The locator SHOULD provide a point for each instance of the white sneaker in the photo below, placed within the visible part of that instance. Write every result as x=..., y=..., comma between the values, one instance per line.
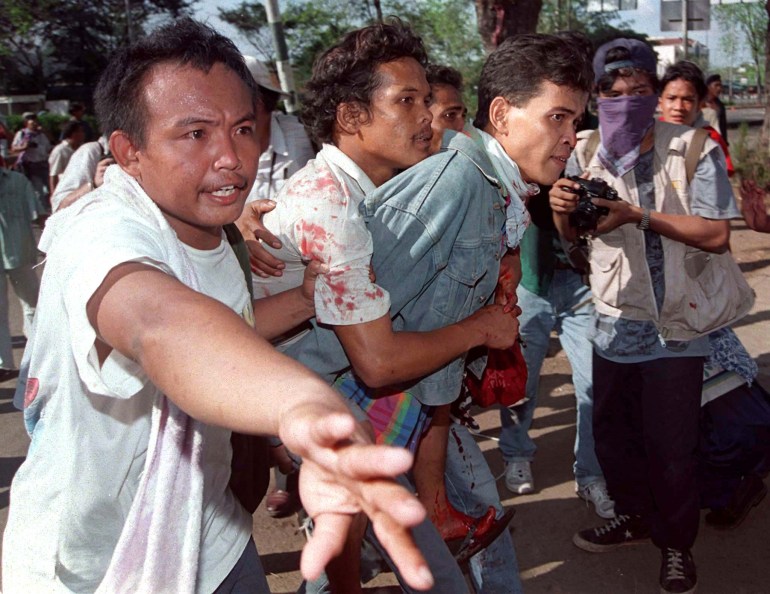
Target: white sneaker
x=596, y=493
x=518, y=478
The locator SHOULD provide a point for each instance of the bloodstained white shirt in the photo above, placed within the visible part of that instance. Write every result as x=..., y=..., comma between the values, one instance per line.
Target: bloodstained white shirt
x=317, y=218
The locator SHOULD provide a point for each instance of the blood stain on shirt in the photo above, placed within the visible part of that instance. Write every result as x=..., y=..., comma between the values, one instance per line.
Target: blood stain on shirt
x=313, y=238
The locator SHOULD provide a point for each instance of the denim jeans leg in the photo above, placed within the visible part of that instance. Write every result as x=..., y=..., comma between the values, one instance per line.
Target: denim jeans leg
x=247, y=577
x=575, y=316
x=471, y=488
x=446, y=573
x=535, y=324
x=448, y=578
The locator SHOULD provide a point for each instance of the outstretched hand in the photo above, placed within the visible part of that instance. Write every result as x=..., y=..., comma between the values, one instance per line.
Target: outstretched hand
x=250, y=225
x=753, y=206
x=343, y=474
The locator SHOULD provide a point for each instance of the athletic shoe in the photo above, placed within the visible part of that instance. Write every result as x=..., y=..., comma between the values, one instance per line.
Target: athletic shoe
x=623, y=530
x=518, y=478
x=677, y=572
x=596, y=493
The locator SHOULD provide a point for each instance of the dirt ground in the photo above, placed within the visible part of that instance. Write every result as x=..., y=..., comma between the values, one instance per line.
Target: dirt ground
x=733, y=562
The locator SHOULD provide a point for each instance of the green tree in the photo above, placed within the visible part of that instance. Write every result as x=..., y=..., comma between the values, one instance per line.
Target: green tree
x=250, y=18
x=446, y=26
x=44, y=42
x=751, y=18
x=499, y=19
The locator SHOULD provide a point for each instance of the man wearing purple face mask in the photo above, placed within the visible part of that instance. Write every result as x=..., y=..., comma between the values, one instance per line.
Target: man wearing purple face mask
x=658, y=264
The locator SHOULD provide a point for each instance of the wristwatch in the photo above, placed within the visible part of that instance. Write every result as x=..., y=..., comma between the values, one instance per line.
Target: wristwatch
x=644, y=224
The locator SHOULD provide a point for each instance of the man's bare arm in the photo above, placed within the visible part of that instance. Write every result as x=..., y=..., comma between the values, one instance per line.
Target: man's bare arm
x=277, y=314
x=217, y=369
x=705, y=234
x=382, y=357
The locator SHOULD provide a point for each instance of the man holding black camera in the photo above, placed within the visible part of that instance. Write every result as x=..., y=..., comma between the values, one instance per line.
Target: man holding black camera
x=661, y=281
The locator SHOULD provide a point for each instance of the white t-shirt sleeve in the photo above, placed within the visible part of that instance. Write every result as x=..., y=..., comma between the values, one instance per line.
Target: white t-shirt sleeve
x=95, y=245
x=56, y=162
x=333, y=232
x=79, y=171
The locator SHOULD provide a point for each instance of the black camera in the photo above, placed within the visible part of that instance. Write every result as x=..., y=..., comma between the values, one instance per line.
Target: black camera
x=586, y=214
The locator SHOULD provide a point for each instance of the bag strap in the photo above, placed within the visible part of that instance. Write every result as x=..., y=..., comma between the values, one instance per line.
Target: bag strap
x=236, y=241
x=694, y=149
x=592, y=145
x=691, y=158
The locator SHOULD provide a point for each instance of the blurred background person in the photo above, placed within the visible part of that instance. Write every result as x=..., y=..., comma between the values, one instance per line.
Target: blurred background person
x=19, y=255
x=714, y=84
x=31, y=147
x=77, y=111
x=84, y=172
x=73, y=135
x=448, y=108
x=684, y=92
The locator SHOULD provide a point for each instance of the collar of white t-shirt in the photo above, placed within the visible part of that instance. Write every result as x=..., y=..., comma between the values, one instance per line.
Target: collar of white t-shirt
x=344, y=167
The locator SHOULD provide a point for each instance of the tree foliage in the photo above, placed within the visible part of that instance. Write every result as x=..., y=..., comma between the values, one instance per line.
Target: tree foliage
x=250, y=18
x=45, y=42
x=751, y=18
x=499, y=19
x=446, y=26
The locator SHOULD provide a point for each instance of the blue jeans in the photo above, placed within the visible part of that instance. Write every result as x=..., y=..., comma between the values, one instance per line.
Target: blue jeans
x=471, y=489
x=247, y=577
x=569, y=310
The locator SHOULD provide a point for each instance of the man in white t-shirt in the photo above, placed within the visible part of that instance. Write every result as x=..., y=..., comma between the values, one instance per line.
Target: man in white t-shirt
x=84, y=173
x=141, y=363
x=73, y=135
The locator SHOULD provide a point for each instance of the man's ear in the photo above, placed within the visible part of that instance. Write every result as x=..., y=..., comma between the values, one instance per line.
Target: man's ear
x=125, y=153
x=350, y=117
x=498, y=115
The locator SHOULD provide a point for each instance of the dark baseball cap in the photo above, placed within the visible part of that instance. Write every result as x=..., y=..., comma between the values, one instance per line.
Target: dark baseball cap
x=642, y=57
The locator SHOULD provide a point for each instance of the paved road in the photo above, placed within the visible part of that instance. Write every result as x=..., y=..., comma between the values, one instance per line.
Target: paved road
x=731, y=562
x=751, y=115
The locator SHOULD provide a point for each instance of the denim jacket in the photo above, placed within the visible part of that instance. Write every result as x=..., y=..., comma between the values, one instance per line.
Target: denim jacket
x=437, y=231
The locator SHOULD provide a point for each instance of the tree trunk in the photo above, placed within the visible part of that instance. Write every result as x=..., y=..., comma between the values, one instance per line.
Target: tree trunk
x=764, y=137
x=499, y=19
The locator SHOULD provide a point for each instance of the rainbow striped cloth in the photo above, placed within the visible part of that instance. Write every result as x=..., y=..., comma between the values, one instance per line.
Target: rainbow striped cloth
x=398, y=418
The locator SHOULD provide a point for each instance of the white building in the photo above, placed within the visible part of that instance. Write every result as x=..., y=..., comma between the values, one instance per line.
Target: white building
x=671, y=49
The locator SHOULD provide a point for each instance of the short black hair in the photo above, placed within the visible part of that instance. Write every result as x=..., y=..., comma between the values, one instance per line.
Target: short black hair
x=346, y=72
x=713, y=78
x=119, y=96
x=517, y=69
x=75, y=107
x=70, y=128
x=618, y=54
x=438, y=74
x=687, y=71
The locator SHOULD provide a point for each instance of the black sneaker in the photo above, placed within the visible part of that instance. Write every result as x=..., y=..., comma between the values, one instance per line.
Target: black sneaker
x=622, y=530
x=677, y=572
